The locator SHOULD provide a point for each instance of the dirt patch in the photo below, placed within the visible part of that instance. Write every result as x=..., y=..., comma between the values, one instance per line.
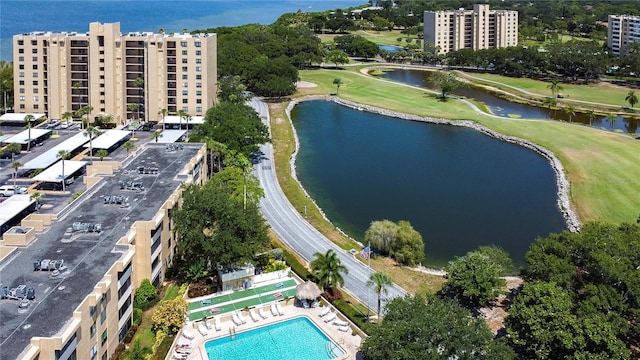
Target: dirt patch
x=305, y=85
x=494, y=315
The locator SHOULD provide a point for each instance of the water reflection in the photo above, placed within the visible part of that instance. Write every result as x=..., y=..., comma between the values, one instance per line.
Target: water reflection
x=505, y=108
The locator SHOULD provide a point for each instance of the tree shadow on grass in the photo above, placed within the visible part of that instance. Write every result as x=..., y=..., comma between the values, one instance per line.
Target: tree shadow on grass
x=436, y=97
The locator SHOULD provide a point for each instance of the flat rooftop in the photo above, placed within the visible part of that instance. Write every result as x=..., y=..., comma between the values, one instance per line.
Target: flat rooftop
x=87, y=257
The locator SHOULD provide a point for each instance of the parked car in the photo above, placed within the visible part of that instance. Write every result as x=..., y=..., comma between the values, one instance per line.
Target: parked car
x=9, y=190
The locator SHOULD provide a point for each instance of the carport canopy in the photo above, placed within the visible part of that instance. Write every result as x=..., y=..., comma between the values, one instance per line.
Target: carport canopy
x=173, y=119
x=50, y=157
x=171, y=136
x=54, y=172
x=18, y=117
x=23, y=136
x=108, y=139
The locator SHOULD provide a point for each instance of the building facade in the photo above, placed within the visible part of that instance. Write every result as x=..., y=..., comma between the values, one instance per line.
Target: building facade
x=623, y=30
x=85, y=311
x=129, y=76
x=480, y=28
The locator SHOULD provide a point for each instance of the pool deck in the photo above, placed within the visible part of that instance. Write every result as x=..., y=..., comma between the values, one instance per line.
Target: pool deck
x=350, y=343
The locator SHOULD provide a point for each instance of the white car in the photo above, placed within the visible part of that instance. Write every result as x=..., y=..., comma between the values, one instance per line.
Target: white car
x=64, y=125
x=9, y=190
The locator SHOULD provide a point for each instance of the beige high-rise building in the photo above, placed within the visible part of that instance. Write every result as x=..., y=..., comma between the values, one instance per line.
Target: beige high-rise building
x=128, y=76
x=480, y=28
x=623, y=31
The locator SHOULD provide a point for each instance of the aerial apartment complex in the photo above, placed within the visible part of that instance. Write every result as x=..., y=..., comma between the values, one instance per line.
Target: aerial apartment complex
x=623, y=30
x=124, y=75
x=480, y=28
x=79, y=269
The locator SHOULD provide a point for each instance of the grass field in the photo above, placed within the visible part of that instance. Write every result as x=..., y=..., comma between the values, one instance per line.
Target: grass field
x=601, y=166
x=378, y=37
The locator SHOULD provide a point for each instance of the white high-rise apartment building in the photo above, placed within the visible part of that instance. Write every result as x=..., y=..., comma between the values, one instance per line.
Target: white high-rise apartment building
x=623, y=30
x=480, y=28
x=56, y=73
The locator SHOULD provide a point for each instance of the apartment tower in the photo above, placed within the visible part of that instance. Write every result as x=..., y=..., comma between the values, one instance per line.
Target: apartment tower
x=480, y=28
x=623, y=30
x=129, y=76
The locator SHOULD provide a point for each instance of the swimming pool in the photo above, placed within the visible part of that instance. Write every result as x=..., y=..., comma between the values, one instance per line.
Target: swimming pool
x=297, y=338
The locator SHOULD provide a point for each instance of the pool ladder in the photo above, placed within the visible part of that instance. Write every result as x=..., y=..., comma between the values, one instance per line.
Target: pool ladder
x=330, y=350
x=232, y=332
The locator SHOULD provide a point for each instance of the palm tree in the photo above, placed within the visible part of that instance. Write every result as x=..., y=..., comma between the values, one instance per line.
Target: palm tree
x=37, y=196
x=64, y=155
x=91, y=132
x=592, y=116
x=217, y=151
x=13, y=148
x=66, y=116
x=163, y=112
x=86, y=110
x=571, y=111
x=15, y=165
x=156, y=135
x=631, y=98
x=328, y=269
x=555, y=87
x=337, y=82
x=134, y=107
x=380, y=282
x=181, y=114
x=549, y=101
x=101, y=154
x=28, y=119
x=128, y=146
x=139, y=83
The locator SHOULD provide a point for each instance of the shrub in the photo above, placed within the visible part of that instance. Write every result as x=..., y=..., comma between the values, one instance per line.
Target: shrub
x=146, y=295
x=119, y=350
x=137, y=316
x=296, y=266
x=129, y=335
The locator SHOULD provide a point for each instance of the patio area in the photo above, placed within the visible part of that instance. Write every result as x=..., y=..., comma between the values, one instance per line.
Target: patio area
x=196, y=333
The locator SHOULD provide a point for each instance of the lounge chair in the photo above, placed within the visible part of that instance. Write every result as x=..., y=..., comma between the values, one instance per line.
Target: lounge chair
x=330, y=317
x=344, y=328
x=187, y=334
x=202, y=329
x=178, y=356
x=263, y=313
x=305, y=304
x=241, y=317
x=324, y=311
x=236, y=319
x=274, y=312
x=253, y=315
x=314, y=304
x=216, y=323
x=207, y=324
x=340, y=322
x=279, y=309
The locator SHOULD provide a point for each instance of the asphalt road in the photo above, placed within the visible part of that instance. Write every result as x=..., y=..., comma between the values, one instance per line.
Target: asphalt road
x=299, y=235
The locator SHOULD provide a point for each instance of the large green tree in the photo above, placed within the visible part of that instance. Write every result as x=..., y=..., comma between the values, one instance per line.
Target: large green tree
x=408, y=248
x=381, y=234
x=213, y=225
x=447, y=82
x=328, y=269
x=431, y=328
x=234, y=124
x=473, y=280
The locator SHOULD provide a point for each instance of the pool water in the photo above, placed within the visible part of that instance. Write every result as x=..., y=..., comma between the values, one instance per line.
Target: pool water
x=297, y=338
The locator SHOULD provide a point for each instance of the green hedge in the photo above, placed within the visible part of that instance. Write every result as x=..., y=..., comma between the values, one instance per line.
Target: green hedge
x=296, y=266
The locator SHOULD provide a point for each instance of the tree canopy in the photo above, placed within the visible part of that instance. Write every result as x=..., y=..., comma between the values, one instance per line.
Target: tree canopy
x=236, y=125
x=401, y=241
x=431, y=328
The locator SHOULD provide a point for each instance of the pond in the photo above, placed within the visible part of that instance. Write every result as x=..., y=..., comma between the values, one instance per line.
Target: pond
x=459, y=188
x=505, y=108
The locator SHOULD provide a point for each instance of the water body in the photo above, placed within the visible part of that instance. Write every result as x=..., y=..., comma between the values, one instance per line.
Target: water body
x=459, y=188
x=505, y=108
x=23, y=16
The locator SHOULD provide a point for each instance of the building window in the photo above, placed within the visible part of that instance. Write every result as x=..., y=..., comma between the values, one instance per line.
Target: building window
x=20, y=51
x=35, y=99
x=185, y=92
x=198, y=68
x=34, y=58
x=198, y=61
x=199, y=85
x=34, y=51
x=198, y=101
x=185, y=108
x=21, y=42
x=101, y=60
x=184, y=52
x=185, y=101
x=103, y=337
x=21, y=74
x=199, y=109
x=35, y=90
x=35, y=106
x=35, y=82
x=184, y=68
x=21, y=90
x=21, y=82
x=35, y=74
x=22, y=98
x=92, y=330
x=199, y=92
x=198, y=52
x=21, y=67
x=34, y=42
x=185, y=84
x=35, y=66
x=185, y=77
x=21, y=58
x=184, y=60
x=22, y=106
x=198, y=77
x=94, y=351
x=183, y=43
x=103, y=316
x=198, y=44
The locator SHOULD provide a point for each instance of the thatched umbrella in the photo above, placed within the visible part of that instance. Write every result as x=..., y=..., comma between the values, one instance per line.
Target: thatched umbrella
x=307, y=291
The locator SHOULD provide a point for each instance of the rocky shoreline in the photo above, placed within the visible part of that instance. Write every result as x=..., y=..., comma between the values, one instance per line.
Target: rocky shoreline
x=562, y=184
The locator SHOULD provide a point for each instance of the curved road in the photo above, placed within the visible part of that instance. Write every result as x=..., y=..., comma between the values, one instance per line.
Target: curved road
x=298, y=234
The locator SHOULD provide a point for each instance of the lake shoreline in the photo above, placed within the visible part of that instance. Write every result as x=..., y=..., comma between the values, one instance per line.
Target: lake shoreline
x=562, y=184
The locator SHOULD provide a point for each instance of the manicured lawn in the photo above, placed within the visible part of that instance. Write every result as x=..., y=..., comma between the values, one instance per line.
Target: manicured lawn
x=601, y=166
x=378, y=37
x=601, y=93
